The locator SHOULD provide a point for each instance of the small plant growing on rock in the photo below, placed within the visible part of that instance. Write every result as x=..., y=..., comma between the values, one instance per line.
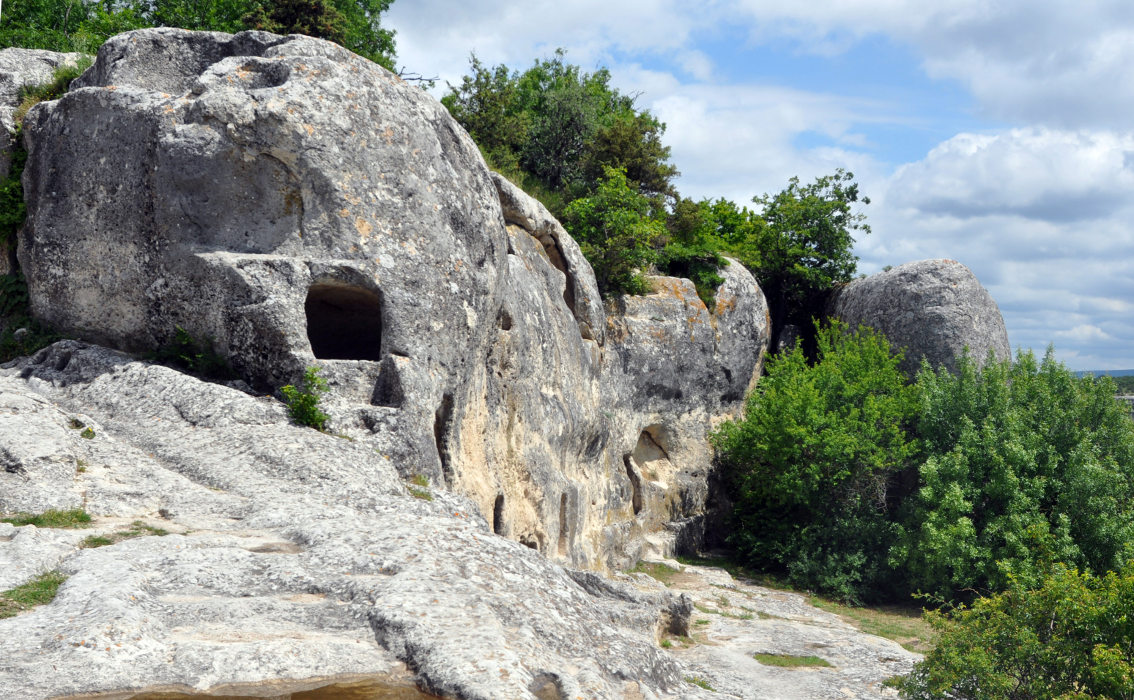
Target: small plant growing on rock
x=303, y=403
x=197, y=357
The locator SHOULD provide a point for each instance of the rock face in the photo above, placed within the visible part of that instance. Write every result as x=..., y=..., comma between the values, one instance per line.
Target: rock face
x=298, y=205
x=932, y=308
x=20, y=68
x=293, y=555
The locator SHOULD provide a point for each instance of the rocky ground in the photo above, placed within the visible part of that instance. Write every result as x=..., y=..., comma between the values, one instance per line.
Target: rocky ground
x=302, y=557
x=734, y=619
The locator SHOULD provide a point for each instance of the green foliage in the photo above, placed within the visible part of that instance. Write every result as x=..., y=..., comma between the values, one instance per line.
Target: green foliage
x=1071, y=636
x=303, y=403
x=700, y=683
x=805, y=244
x=197, y=357
x=1123, y=385
x=40, y=590
x=75, y=518
x=811, y=464
x=656, y=570
x=76, y=25
x=554, y=129
x=616, y=230
x=1026, y=465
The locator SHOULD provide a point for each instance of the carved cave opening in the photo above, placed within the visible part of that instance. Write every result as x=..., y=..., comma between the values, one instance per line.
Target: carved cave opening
x=344, y=322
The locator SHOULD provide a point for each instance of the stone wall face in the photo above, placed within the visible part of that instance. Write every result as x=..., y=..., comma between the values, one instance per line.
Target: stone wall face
x=299, y=205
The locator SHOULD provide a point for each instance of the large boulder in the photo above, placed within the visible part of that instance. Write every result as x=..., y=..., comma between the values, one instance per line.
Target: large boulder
x=934, y=309
x=298, y=205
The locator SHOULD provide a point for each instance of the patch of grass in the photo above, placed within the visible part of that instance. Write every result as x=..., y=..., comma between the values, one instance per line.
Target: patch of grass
x=790, y=661
x=88, y=433
x=39, y=591
x=701, y=622
x=76, y=518
x=700, y=683
x=902, y=623
x=419, y=487
x=659, y=571
x=667, y=643
x=137, y=529
x=724, y=613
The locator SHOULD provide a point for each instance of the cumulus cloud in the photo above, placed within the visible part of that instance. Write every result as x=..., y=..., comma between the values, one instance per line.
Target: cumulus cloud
x=1058, y=64
x=1036, y=173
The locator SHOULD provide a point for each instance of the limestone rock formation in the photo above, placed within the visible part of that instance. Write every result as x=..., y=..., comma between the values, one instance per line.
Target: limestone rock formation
x=932, y=308
x=292, y=555
x=298, y=205
x=20, y=68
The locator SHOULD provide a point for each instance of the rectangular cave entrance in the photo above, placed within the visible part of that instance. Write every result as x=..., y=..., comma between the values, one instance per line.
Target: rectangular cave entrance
x=344, y=322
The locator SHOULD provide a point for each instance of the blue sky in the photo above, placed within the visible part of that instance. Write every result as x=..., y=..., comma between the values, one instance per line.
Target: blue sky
x=994, y=133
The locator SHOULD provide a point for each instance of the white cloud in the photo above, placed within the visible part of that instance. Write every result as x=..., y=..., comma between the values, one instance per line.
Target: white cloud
x=1045, y=62
x=1036, y=173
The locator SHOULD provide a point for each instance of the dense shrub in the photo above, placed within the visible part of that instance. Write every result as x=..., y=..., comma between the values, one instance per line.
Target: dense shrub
x=1017, y=465
x=811, y=464
x=1072, y=636
x=1026, y=464
x=616, y=231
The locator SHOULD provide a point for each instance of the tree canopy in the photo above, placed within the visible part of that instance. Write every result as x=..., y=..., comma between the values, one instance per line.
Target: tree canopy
x=80, y=25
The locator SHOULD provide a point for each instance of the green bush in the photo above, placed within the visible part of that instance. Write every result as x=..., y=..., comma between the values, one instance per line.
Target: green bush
x=303, y=403
x=1026, y=464
x=811, y=465
x=1072, y=636
x=616, y=231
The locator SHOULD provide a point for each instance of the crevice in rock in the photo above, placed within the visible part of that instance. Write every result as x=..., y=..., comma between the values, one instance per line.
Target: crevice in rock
x=498, y=515
x=504, y=320
x=344, y=322
x=563, y=525
x=635, y=484
x=442, y=426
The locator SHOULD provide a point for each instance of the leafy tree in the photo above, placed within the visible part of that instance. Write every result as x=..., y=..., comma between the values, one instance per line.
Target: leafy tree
x=805, y=245
x=1026, y=465
x=554, y=129
x=616, y=230
x=81, y=25
x=1071, y=636
x=811, y=465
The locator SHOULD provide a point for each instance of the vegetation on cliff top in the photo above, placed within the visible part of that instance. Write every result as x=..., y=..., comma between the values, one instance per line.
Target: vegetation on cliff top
x=565, y=136
x=75, y=25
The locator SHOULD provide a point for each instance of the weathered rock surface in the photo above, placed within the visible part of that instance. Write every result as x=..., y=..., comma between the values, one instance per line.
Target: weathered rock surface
x=297, y=554
x=296, y=559
x=735, y=619
x=932, y=308
x=20, y=68
x=299, y=205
